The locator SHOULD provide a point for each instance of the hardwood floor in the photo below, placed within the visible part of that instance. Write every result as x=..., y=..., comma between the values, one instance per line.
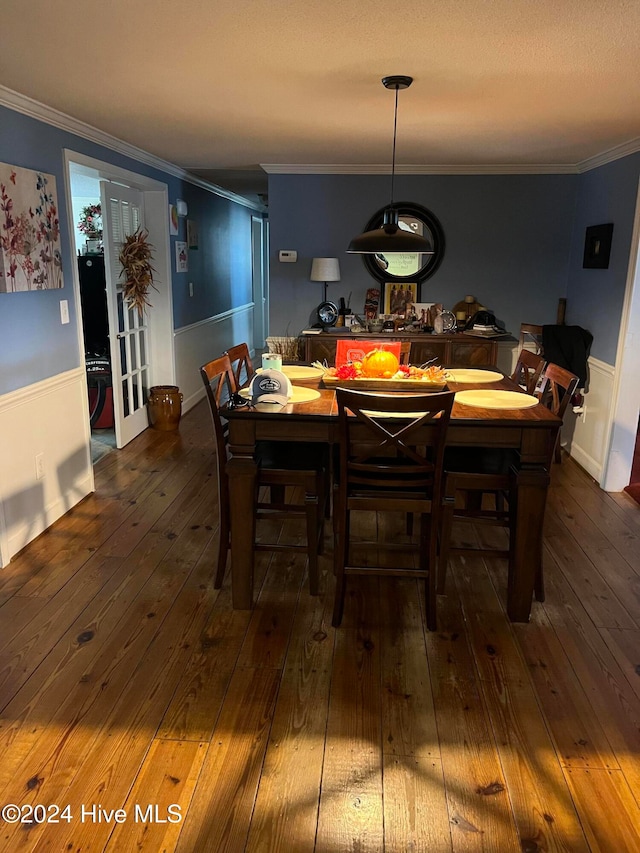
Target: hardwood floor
x=126, y=682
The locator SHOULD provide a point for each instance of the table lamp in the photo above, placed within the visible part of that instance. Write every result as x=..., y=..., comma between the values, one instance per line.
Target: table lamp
x=326, y=270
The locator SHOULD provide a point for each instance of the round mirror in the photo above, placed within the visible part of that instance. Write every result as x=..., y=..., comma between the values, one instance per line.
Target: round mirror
x=409, y=266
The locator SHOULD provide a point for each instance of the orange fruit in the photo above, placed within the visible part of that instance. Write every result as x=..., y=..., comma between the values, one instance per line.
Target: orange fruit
x=379, y=363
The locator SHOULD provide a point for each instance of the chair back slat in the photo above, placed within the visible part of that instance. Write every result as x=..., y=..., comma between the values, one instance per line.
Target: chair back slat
x=528, y=369
x=241, y=364
x=530, y=332
x=219, y=383
x=387, y=453
x=556, y=390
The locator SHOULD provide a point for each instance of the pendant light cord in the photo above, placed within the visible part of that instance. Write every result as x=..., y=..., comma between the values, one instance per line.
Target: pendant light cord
x=393, y=155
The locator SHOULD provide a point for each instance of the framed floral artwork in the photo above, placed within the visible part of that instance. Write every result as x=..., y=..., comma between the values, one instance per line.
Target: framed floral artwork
x=173, y=220
x=30, y=252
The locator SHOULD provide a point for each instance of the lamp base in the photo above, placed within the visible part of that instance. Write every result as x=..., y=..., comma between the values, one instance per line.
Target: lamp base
x=328, y=313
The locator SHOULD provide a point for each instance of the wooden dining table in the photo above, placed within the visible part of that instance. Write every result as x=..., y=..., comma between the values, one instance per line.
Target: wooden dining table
x=529, y=431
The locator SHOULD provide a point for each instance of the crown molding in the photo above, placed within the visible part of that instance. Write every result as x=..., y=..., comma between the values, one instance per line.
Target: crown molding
x=34, y=109
x=385, y=169
x=616, y=153
x=630, y=147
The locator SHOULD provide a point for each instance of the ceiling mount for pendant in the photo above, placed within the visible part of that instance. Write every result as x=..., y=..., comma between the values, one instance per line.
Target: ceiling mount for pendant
x=397, y=81
x=391, y=238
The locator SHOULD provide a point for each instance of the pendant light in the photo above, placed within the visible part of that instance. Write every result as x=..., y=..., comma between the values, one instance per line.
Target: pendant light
x=390, y=238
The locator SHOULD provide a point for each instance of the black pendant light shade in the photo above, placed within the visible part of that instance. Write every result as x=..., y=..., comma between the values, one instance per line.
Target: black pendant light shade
x=390, y=238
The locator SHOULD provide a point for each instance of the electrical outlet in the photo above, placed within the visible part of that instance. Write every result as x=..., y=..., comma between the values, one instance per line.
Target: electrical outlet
x=39, y=466
x=190, y=288
x=64, y=311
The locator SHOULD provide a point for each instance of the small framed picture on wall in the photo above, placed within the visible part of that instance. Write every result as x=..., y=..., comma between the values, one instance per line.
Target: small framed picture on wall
x=192, y=233
x=597, y=247
x=182, y=258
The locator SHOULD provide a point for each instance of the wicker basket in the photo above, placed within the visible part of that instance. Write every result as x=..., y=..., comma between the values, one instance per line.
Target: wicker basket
x=288, y=348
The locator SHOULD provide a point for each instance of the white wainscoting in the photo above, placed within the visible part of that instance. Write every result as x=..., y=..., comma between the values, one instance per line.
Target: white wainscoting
x=507, y=356
x=585, y=436
x=196, y=344
x=49, y=418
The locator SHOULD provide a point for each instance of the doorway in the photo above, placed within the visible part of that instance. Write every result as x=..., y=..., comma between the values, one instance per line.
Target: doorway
x=625, y=408
x=119, y=370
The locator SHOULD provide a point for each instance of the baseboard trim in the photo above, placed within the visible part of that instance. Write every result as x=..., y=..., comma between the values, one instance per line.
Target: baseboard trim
x=23, y=536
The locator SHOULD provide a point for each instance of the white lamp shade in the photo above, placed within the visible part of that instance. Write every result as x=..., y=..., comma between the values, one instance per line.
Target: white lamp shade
x=325, y=269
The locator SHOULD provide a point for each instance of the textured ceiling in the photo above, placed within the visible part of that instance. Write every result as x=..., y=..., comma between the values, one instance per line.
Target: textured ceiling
x=229, y=85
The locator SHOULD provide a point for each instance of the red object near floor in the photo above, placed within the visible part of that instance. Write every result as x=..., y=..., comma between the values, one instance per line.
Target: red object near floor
x=106, y=418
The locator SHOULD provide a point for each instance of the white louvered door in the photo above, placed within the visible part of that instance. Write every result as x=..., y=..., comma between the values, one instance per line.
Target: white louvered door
x=122, y=211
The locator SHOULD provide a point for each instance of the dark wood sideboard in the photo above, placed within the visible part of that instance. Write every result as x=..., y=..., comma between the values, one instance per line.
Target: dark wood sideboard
x=449, y=350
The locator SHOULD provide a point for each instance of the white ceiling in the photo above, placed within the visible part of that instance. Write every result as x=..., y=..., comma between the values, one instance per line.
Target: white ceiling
x=231, y=84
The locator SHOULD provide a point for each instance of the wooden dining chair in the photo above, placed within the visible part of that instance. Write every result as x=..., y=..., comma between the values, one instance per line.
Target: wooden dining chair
x=280, y=465
x=556, y=390
x=475, y=471
x=243, y=373
x=241, y=364
x=530, y=333
x=527, y=371
x=384, y=467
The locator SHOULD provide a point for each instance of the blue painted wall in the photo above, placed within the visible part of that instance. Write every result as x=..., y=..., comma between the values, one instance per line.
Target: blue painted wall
x=220, y=267
x=508, y=240
x=595, y=297
x=33, y=343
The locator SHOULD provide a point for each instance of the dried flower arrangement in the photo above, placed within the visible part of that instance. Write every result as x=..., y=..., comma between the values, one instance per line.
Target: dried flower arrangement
x=91, y=221
x=287, y=347
x=135, y=257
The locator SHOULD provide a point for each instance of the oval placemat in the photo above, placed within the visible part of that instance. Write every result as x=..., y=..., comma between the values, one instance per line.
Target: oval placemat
x=299, y=394
x=473, y=376
x=489, y=399
x=295, y=371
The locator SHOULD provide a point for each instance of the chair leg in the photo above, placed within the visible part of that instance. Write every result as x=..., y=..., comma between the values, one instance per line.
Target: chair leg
x=446, y=524
x=223, y=546
x=557, y=451
x=428, y=562
x=340, y=561
x=321, y=511
x=312, y=510
x=327, y=483
x=539, y=585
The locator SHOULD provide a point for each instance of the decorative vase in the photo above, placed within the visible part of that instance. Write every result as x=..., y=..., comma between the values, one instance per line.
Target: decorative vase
x=164, y=407
x=93, y=243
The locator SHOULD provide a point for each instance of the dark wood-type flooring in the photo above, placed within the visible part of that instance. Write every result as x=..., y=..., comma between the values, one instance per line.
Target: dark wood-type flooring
x=126, y=682
x=633, y=488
